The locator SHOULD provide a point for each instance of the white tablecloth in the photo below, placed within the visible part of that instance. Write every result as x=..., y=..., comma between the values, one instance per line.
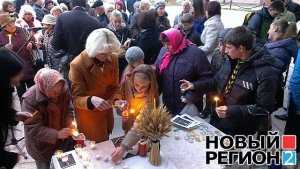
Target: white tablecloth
x=178, y=152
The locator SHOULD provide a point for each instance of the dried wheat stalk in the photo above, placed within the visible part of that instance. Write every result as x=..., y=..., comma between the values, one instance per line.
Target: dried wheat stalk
x=154, y=123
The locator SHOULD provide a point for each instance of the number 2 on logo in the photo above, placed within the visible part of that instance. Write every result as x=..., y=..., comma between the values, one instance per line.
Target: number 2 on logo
x=289, y=158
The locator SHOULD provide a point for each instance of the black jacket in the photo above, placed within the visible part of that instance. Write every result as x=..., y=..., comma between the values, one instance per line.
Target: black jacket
x=193, y=36
x=163, y=23
x=122, y=34
x=295, y=8
x=10, y=65
x=252, y=96
x=72, y=29
x=148, y=41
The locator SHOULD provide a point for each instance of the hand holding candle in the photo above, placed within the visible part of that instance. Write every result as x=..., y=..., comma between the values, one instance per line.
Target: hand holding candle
x=222, y=111
x=64, y=133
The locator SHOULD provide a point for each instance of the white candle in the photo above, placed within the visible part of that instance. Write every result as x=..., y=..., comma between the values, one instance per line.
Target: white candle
x=9, y=39
x=74, y=124
x=93, y=145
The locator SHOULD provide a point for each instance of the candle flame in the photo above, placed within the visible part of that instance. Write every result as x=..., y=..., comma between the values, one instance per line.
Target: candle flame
x=216, y=99
x=74, y=124
x=132, y=111
x=75, y=133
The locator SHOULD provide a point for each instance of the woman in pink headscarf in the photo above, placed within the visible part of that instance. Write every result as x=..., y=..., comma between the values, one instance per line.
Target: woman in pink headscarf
x=180, y=59
x=50, y=102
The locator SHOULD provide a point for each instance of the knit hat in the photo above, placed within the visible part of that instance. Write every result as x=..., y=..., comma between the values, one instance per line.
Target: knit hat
x=159, y=3
x=49, y=19
x=134, y=54
x=5, y=19
x=98, y=3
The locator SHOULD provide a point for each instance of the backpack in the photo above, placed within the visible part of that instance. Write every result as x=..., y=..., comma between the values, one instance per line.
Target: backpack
x=247, y=17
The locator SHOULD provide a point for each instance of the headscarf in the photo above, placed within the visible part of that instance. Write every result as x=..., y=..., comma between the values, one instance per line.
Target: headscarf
x=57, y=110
x=46, y=78
x=178, y=42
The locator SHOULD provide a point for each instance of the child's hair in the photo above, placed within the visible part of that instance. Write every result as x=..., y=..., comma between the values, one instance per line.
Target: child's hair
x=289, y=30
x=149, y=73
x=187, y=18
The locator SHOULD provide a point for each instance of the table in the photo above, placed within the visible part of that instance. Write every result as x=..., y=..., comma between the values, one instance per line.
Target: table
x=181, y=150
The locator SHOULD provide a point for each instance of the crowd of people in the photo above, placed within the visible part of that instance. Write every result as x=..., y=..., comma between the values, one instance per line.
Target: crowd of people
x=69, y=61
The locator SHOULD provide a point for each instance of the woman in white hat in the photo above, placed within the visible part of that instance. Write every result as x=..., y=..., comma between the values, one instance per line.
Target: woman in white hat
x=50, y=54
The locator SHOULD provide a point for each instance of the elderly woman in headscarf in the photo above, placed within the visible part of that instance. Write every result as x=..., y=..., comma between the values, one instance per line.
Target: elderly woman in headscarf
x=94, y=75
x=49, y=101
x=180, y=59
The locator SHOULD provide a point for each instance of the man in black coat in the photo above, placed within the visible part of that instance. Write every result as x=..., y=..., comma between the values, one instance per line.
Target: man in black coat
x=246, y=84
x=71, y=31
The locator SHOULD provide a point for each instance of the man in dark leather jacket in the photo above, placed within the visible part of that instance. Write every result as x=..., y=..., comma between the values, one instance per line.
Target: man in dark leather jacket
x=246, y=84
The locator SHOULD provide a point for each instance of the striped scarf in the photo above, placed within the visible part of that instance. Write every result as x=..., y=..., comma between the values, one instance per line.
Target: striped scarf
x=233, y=77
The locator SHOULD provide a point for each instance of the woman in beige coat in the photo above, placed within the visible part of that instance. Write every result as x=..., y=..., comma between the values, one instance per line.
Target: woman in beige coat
x=94, y=77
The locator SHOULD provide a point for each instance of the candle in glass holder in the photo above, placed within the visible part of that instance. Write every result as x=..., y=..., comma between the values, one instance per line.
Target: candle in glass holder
x=93, y=145
x=79, y=139
x=216, y=99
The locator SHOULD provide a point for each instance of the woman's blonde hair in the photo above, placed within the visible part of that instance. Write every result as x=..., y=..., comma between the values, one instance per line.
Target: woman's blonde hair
x=56, y=8
x=144, y=5
x=26, y=9
x=102, y=41
x=149, y=73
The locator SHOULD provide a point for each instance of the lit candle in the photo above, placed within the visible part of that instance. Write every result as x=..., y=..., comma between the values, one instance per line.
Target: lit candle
x=216, y=99
x=9, y=39
x=93, y=145
x=75, y=133
x=125, y=113
x=132, y=111
x=74, y=124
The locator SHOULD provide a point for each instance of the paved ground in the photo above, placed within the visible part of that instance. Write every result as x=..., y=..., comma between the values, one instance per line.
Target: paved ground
x=230, y=18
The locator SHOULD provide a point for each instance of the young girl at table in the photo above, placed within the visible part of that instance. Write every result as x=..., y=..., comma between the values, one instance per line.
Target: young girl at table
x=141, y=92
